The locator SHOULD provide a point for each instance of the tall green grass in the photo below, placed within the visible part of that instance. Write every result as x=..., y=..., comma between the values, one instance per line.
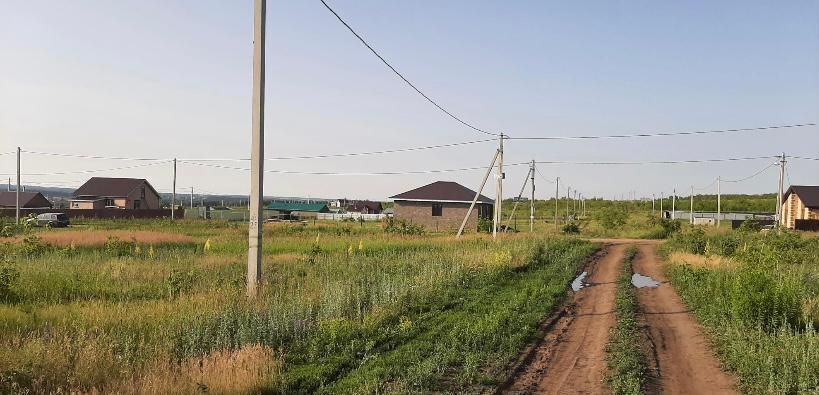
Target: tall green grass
x=339, y=311
x=626, y=362
x=761, y=311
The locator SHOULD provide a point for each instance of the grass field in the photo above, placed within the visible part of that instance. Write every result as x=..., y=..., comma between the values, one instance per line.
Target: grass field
x=758, y=296
x=156, y=307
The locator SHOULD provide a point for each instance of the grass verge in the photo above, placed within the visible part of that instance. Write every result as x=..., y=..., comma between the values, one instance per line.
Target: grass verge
x=626, y=363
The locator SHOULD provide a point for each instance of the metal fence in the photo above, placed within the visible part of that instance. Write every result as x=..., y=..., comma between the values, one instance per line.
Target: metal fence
x=347, y=216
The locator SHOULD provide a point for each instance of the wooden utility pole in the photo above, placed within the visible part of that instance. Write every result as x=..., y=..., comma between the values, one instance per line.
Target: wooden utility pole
x=691, y=214
x=532, y=200
x=254, y=253
x=173, y=193
x=498, y=190
x=17, y=193
x=719, y=202
x=478, y=194
x=557, y=192
x=780, y=196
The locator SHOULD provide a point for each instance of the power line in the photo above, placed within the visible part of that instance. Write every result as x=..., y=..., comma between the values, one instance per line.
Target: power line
x=348, y=154
x=445, y=111
x=802, y=158
x=544, y=178
x=753, y=175
x=665, y=134
x=660, y=162
x=92, y=156
x=62, y=173
x=332, y=173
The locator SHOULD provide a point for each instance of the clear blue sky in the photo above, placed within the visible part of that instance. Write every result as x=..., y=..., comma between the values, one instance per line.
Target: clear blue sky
x=173, y=79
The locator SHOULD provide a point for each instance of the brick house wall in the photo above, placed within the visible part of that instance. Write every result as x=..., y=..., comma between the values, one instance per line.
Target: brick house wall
x=452, y=214
x=793, y=208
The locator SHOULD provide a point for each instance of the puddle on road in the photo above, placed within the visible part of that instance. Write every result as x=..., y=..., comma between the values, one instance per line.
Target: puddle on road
x=640, y=281
x=578, y=283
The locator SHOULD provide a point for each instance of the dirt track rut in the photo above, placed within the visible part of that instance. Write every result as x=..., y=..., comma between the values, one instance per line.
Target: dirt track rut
x=683, y=362
x=570, y=357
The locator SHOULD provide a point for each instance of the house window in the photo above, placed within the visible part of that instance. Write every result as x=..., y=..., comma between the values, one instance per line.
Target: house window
x=109, y=202
x=437, y=209
x=136, y=204
x=75, y=205
x=142, y=193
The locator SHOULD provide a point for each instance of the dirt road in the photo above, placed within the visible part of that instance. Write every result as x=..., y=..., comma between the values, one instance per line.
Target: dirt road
x=571, y=358
x=683, y=363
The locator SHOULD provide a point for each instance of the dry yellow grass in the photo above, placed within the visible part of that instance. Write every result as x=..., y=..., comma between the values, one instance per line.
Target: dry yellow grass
x=81, y=238
x=713, y=261
x=223, y=372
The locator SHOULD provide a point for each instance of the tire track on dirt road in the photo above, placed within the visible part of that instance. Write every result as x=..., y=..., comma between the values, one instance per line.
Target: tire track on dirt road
x=683, y=361
x=571, y=358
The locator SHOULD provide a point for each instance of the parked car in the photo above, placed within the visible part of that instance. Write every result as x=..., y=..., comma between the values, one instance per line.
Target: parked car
x=51, y=220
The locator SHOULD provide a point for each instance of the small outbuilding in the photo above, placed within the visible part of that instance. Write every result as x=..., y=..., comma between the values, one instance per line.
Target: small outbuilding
x=27, y=200
x=441, y=205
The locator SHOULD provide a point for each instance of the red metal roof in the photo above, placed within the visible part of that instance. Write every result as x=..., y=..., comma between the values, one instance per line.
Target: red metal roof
x=442, y=191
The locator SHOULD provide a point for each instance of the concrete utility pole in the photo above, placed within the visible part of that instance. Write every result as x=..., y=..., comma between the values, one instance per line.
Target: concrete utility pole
x=674, y=205
x=780, y=197
x=574, y=203
x=719, y=202
x=17, y=193
x=498, y=190
x=173, y=193
x=254, y=253
x=532, y=201
x=191, y=197
x=557, y=192
x=662, y=196
x=653, y=205
x=478, y=194
x=568, y=192
x=692, y=205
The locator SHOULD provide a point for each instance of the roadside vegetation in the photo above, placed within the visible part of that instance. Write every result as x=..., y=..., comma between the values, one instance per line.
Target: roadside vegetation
x=159, y=307
x=757, y=293
x=626, y=362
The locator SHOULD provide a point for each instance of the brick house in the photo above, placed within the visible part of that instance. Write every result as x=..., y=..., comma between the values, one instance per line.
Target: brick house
x=800, y=202
x=122, y=193
x=27, y=200
x=441, y=206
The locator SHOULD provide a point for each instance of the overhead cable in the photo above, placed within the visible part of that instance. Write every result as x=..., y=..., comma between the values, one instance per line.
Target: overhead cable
x=407, y=81
x=665, y=134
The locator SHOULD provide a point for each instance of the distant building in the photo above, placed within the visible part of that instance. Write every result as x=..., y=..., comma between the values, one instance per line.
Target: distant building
x=441, y=205
x=800, y=202
x=121, y=193
x=298, y=208
x=27, y=200
x=361, y=206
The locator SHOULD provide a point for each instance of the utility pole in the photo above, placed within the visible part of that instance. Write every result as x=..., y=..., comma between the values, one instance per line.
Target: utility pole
x=662, y=196
x=674, y=205
x=653, y=204
x=254, y=253
x=779, y=199
x=532, y=201
x=498, y=190
x=568, y=193
x=191, y=197
x=478, y=194
x=173, y=193
x=17, y=193
x=574, y=204
x=719, y=202
x=692, y=205
x=557, y=192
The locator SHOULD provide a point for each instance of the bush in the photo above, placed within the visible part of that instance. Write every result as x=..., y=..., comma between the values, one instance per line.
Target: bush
x=401, y=227
x=750, y=225
x=8, y=276
x=612, y=217
x=484, y=225
x=570, y=228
